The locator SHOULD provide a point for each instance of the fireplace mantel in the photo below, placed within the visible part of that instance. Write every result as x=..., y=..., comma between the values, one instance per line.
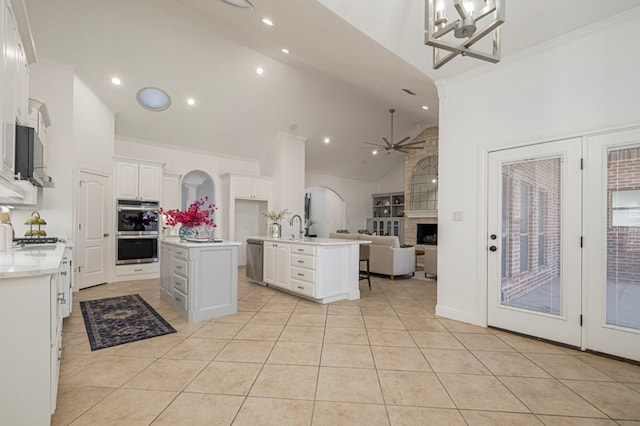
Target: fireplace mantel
x=417, y=214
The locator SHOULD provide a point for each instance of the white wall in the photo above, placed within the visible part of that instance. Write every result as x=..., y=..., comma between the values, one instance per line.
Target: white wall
x=572, y=86
x=355, y=193
x=53, y=84
x=392, y=181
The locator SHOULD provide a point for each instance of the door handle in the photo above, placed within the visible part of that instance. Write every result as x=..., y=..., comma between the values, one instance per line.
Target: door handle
x=493, y=248
x=105, y=235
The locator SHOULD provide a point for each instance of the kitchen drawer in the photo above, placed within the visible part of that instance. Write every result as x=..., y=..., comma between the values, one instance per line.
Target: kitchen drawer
x=303, y=249
x=180, y=267
x=180, y=283
x=304, y=288
x=180, y=300
x=303, y=261
x=138, y=268
x=301, y=274
x=180, y=253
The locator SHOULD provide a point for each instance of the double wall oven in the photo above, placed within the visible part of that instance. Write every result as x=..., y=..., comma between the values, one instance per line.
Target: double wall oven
x=137, y=236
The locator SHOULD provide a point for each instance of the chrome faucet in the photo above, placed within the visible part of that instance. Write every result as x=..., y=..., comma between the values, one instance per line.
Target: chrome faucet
x=300, y=231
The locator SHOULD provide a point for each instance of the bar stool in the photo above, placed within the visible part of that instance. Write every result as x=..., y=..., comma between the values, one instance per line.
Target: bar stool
x=364, y=257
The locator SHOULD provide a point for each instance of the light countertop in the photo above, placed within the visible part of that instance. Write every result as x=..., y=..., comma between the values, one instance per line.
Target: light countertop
x=316, y=241
x=177, y=241
x=30, y=260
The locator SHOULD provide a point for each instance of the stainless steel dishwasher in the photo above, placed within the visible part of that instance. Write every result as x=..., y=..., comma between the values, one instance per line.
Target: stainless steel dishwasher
x=254, y=260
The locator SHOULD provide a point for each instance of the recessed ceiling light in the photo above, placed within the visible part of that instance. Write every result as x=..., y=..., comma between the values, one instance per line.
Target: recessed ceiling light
x=267, y=21
x=327, y=140
x=191, y=101
x=153, y=99
x=116, y=81
x=374, y=152
x=285, y=51
x=424, y=107
x=259, y=71
x=239, y=3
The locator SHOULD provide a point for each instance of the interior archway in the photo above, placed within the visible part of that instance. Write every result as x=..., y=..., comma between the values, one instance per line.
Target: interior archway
x=195, y=185
x=327, y=211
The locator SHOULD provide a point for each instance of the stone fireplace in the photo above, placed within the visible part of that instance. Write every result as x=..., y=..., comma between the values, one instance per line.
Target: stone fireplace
x=413, y=218
x=427, y=234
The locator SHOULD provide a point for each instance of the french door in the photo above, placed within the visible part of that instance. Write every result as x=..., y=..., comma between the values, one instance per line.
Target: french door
x=564, y=244
x=612, y=243
x=534, y=226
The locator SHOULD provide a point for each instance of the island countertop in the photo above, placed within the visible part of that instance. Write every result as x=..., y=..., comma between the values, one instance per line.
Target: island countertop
x=31, y=260
x=317, y=241
x=189, y=244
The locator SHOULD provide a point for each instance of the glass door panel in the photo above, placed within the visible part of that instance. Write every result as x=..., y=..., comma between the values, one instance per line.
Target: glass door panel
x=531, y=235
x=623, y=238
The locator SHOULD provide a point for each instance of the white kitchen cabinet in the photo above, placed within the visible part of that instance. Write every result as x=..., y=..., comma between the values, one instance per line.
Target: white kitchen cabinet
x=31, y=330
x=166, y=263
x=201, y=282
x=276, y=265
x=251, y=187
x=171, y=192
x=66, y=281
x=138, y=181
x=321, y=269
x=15, y=56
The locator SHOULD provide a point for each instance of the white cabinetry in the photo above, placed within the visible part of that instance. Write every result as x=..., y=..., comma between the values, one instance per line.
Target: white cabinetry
x=171, y=192
x=31, y=330
x=276, y=267
x=201, y=280
x=14, y=78
x=252, y=187
x=138, y=181
x=322, y=272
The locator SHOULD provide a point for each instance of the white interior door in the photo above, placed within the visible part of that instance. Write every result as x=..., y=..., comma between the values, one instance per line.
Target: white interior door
x=534, y=227
x=93, y=230
x=612, y=244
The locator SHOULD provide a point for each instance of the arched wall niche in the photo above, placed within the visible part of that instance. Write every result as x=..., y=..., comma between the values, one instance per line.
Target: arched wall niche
x=327, y=210
x=195, y=185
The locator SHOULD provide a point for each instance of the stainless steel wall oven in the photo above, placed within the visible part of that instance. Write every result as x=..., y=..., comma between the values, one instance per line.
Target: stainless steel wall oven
x=137, y=235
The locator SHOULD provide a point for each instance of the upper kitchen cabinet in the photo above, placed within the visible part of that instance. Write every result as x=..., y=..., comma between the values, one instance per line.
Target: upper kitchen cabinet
x=251, y=187
x=137, y=180
x=18, y=52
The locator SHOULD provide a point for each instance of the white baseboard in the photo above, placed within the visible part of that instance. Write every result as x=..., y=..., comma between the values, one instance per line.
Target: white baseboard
x=458, y=315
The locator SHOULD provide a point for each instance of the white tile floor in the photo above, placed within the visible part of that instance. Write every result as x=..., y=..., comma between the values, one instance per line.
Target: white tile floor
x=385, y=359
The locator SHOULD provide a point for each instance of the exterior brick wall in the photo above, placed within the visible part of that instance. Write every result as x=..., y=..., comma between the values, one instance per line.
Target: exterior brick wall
x=542, y=180
x=623, y=242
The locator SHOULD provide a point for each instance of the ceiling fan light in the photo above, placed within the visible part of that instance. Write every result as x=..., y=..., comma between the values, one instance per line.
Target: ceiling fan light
x=245, y=4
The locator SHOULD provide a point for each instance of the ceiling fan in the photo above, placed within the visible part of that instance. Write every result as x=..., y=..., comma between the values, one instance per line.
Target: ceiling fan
x=400, y=146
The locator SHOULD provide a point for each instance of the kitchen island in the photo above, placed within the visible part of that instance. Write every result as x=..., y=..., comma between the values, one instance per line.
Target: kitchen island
x=199, y=279
x=34, y=284
x=320, y=269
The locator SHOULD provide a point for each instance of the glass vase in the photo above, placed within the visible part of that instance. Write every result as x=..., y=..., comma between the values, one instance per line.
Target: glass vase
x=186, y=232
x=275, y=230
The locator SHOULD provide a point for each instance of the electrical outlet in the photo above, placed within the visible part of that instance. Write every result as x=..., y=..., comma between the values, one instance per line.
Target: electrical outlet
x=458, y=216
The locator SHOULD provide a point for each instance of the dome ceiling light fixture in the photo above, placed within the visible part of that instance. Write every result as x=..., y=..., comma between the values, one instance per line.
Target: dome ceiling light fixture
x=401, y=146
x=446, y=36
x=153, y=99
x=245, y=4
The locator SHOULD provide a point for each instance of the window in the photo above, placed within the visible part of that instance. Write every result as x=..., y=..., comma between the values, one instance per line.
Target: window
x=524, y=226
x=505, y=224
x=424, y=184
x=625, y=207
x=542, y=225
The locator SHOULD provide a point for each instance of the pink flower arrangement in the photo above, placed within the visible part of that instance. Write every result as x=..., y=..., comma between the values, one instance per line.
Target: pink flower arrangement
x=195, y=215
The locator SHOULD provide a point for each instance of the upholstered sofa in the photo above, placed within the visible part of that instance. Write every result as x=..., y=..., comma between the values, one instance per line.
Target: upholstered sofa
x=386, y=256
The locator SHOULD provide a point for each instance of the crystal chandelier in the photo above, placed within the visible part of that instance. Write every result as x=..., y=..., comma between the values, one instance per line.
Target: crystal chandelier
x=460, y=35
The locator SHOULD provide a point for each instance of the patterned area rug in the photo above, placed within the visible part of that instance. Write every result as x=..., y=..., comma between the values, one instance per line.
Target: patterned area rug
x=123, y=319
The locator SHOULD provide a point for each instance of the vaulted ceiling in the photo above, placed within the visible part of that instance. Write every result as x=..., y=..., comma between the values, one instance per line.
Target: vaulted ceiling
x=347, y=66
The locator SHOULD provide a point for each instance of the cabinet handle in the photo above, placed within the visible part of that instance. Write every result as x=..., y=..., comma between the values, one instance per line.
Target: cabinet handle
x=137, y=270
x=300, y=249
x=63, y=273
x=178, y=299
x=178, y=267
x=60, y=353
x=300, y=261
x=300, y=287
x=300, y=275
x=61, y=299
